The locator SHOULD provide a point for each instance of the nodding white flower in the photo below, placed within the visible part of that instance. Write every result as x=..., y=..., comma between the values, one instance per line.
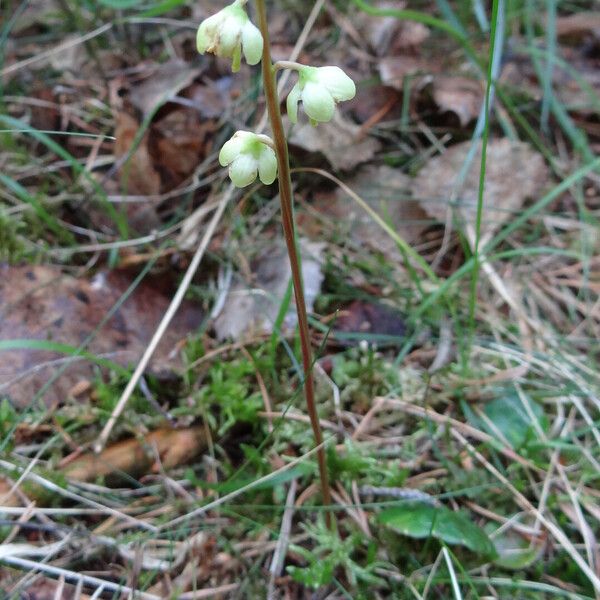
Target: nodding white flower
x=247, y=154
x=320, y=89
x=228, y=33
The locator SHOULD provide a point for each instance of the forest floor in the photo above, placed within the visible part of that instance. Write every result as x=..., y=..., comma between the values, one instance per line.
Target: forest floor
x=452, y=270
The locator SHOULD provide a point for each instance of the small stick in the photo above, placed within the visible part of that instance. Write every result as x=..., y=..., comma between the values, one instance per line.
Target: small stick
x=166, y=320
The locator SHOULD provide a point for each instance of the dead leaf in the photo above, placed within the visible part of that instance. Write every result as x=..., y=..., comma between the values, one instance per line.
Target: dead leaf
x=136, y=457
x=177, y=137
x=394, y=70
x=514, y=173
x=520, y=72
x=375, y=321
x=46, y=115
x=339, y=140
x=163, y=83
x=179, y=143
x=44, y=588
x=388, y=192
x=578, y=25
x=37, y=13
x=383, y=33
x=460, y=95
x=41, y=303
x=212, y=98
x=253, y=309
x=138, y=175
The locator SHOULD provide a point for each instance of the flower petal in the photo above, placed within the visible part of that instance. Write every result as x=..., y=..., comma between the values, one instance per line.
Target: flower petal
x=340, y=86
x=267, y=165
x=207, y=33
x=292, y=103
x=252, y=43
x=243, y=170
x=230, y=150
x=318, y=102
x=230, y=35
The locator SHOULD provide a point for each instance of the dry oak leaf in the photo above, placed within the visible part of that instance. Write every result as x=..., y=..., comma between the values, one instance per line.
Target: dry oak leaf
x=579, y=25
x=460, y=95
x=41, y=303
x=253, y=309
x=389, y=33
x=164, y=82
x=394, y=70
x=514, y=173
x=138, y=175
x=388, y=192
x=339, y=140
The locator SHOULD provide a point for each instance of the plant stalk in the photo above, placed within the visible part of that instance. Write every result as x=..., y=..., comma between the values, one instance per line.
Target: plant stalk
x=286, y=197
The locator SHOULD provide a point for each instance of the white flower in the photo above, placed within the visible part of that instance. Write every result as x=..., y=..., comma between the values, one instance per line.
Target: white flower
x=246, y=154
x=319, y=88
x=227, y=33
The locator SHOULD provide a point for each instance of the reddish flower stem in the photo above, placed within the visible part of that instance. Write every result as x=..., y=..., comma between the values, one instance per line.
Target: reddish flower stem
x=286, y=196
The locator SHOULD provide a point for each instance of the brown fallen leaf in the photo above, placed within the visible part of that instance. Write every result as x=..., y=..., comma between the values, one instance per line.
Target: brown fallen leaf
x=394, y=70
x=173, y=108
x=460, y=95
x=371, y=321
x=388, y=192
x=135, y=457
x=340, y=140
x=137, y=172
x=252, y=309
x=164, y=448
x=567, y=89
x=385, y=34
x=578, y=25
x=44, y=588
x=42, y=303
x=163, y=82
x=179, y=142
x=515, y=172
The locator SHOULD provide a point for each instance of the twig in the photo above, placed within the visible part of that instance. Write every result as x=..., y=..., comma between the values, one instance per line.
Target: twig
x=284, y=539
x=76, y=577
x=56, y=49
x=166, y=320
x=260, y=481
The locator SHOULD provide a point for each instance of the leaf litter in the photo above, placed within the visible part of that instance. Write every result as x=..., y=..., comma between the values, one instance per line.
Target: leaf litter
x=42, y=303
x=397, y=452
x=253, y=309
x=515, y=173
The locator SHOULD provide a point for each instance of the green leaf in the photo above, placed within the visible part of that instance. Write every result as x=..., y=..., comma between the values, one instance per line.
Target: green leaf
x=510, y=418
x=121, y=4
x=161, y=8
x=514, y=551
x=319, y=573
x=419, y=520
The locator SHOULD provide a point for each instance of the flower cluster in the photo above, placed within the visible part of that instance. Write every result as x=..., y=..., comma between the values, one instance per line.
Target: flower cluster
x=229, y=34
x=319, y=89
x=247, y=154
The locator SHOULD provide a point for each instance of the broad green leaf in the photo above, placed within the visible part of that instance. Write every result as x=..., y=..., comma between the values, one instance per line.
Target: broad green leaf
x=419, y=520
x=513, y=550
x=510, y=418
x=121, y=4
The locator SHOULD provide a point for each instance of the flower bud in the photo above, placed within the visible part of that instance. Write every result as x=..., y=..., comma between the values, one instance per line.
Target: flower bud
x=320, y=89
x=228, y=33
x=247, y=154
